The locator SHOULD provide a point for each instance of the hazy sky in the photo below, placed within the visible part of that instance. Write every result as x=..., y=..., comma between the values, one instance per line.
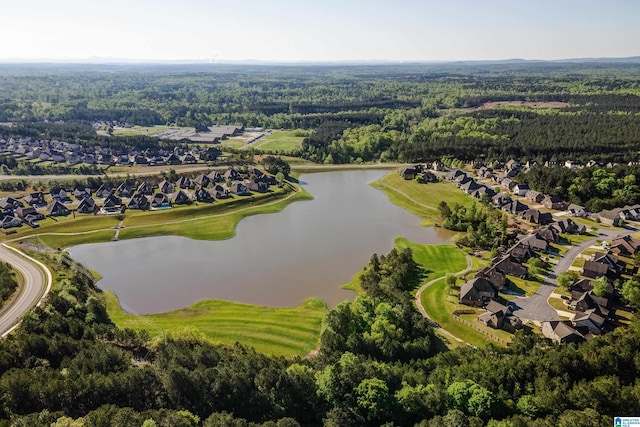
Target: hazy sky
x=289, y=30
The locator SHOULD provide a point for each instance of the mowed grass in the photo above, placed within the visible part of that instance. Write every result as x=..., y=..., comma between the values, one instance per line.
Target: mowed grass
x=421, y=199
x=67, y=226
x=218, y=227
x=279, y=331
x=437, y=260
x=282, y=141
x=440, y=306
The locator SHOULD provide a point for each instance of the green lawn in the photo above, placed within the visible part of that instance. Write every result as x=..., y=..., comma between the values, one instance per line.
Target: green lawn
x=437, y=260
x=440, y=306
x=282, y=141
x=522, y=287
x=421, y=199
x=279, y=331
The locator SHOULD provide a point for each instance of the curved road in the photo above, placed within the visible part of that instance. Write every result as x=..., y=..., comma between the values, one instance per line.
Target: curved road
x=36, y=284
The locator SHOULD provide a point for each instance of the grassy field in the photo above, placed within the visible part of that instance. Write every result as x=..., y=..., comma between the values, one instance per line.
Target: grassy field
x=282, y=141
x=440, y=306
x=141, y=130
x=522, y=287
x=279, y=331
x=437, y=260
x=421, y=199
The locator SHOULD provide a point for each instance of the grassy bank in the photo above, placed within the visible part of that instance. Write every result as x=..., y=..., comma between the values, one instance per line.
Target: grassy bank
x=278, y=331
x=280, y=140
x=421, y=199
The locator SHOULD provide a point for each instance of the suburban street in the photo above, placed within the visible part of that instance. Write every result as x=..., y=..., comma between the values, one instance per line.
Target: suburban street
x=536, y=307
x=36, y=284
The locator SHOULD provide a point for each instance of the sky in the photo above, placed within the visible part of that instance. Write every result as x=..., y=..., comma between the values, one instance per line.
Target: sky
x=313, y=30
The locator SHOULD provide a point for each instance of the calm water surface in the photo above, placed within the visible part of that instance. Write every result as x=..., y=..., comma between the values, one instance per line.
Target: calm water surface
x=307, y=250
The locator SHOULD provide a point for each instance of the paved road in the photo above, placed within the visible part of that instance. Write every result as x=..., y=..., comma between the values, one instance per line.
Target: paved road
x=536, y=307
x=36, y=284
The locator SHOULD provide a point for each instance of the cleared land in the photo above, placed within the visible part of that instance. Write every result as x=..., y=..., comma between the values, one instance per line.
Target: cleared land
x=279, y=331
x=282, y=141
x=421, y=199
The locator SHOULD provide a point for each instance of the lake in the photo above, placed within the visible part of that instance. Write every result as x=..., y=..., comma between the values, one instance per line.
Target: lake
x=308, y=250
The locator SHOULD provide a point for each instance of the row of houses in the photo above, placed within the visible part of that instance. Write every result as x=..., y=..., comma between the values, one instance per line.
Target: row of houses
x=144, y=196
x=616, y=216
x=61, y=152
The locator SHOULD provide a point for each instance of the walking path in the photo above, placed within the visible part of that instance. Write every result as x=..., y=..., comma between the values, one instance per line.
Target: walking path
x=424, y=312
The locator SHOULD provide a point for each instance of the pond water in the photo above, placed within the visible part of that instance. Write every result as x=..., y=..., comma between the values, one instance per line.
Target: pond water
x=308, y=250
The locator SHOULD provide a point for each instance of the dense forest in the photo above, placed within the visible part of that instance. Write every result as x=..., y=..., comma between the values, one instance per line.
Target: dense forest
x=379, y=362
x=358, y=113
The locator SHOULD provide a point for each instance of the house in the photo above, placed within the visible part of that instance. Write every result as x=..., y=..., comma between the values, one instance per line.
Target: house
x=180, y=198
x=210, y=154
x=202, y=180
x=609, y=217
x=514, y=207
x=554, y=202
x=577, y=211
x=477, y=292
x=145, y=188
x=408, y=173
x=549, y=234
x=9, y=221
x=500, y=199
x=10, y=204
x=239, y=189
x=173, y=159
x=509, y=265
x=603, y=264
x=87, y=205
x=35, y=200
x=625, y=245
x=483, y=190
x=508, y=184
x=185, y=183
x=60, y=194
x=520, y=252
x=81, y=192
x=588, y=302
x=536, y=242
x=567, y=225
x=219, y=192
x=204, y=196
x=469, y=186
x=536, y=217
x=166, y=187
x=499, y=316
x=57, y=208
x=497, y=278
x=437, y=166
x=215, y=176
x=160, y=201
x=561, y=332
x=231, y=174
x=139, y=201
x=124, y=190
x=485, y=172
x=521, y=189
x=462, y=179
x=589, y=323
x=454, y=174
x=104, y=191
x=534, y=196
x=23, y=212
x=429, y=177
x=189, y=159
x=112, y=203
x=258, y=186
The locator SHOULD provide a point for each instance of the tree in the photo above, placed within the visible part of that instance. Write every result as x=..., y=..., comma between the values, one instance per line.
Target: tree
x=273, y=165
x=566, y=279
x=280, y=178
x=600, y=286
x=631, y=292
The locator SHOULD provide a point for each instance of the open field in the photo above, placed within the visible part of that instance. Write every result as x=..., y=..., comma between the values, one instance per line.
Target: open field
x=421, y=199
x=141, y=130
x=282, y=141
x=279, y=331
x=437, y=260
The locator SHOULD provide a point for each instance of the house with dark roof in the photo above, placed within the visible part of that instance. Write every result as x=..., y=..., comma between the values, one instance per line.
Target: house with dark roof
x=23, y=212
x=145, y=188
x=567, y=225
x=437, y=166
x=536, y=216
x=57, y=208
x=160, y=201
x=81, y=192
x=179, y=198
x=202, y=180
x=589, y=323
x=139, y=201
x=549, y=234
x=35, y=200
x=554, y=202
x=499, y=316
x=603, y=264
x=534, y=196
x=238, y=188
x=10, y=204
x=625, y=245
x=408, y=173
x=536, y=242
x=87, y=205
x=203, y=195
x=520, y=189
x=496, y=278
x=104, y=191
x=189, y=159
x=215, y=176
x=577, y=211
x=124, y=190
x=514, y=207
x=520, y=252
x=469, y=186
x=477, y=292
x=454, y=174
x=9, y=221
x=508, y=265
x=219, y=192
x=609, y=217
x=428, y=177
x=561, y=332
x=112, y=203
x=166, y=187
x=258, y=186
x=60, y=194
x=231, y=174
x=185, y=183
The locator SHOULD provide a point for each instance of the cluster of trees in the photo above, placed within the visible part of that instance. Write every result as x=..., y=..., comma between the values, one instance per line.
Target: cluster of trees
x=8, y=282
x=485, y=225
x=596, y=188
x=378, y=363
